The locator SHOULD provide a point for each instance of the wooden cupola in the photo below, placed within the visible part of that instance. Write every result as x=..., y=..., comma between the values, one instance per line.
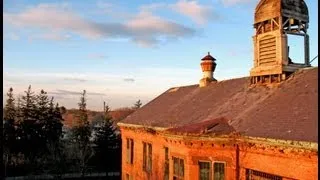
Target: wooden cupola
x=273, y=21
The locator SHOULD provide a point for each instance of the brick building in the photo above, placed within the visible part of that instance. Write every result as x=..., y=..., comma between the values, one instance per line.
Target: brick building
x=260, y=127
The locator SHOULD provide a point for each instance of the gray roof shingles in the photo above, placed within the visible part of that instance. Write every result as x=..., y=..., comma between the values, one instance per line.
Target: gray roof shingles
x=289, y=111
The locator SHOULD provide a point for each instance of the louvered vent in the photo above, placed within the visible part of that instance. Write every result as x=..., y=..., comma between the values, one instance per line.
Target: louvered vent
x=267, y=51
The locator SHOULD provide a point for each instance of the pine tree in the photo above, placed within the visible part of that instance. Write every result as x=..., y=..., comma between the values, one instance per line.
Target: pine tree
x=9, y=128
x=42, y=116
x=137, y=105
x=81, y=134
x=56, y=159
x=9, y=113
x=18, y=113
x=28, y=106
x=106, y=139
x=50, y=118
x=105, y=133
x=28, y=130
x=53, y=125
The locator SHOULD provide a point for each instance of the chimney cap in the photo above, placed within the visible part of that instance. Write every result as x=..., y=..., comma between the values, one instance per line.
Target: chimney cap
x=208, y=57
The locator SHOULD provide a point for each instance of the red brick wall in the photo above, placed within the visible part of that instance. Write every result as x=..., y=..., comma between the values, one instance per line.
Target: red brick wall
x=273, y=161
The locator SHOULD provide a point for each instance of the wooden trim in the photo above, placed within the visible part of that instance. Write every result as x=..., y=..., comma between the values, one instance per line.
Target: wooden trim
x=294, y=33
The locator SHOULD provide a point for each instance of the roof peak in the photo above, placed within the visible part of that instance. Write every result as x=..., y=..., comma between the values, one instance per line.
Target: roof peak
x=208, y=57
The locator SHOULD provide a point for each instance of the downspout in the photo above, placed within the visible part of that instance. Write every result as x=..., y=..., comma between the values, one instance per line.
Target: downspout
x=237, y=163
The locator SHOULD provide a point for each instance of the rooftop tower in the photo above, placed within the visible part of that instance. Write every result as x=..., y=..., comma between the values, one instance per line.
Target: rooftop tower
x=208, y=66
x=273, y=21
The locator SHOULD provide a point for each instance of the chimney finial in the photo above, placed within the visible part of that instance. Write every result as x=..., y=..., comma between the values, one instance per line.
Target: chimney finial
x=208, y=53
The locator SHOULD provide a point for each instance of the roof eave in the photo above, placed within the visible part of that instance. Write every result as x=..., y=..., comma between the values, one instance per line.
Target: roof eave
x=120, y=124
x=281, y=142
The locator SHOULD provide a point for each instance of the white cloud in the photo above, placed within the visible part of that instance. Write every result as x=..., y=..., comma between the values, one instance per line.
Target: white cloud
x=197, y=12
x=201, y=14
x=142, y=28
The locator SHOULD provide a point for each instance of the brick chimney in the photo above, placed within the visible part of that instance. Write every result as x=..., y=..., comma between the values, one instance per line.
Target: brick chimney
x=208, y=66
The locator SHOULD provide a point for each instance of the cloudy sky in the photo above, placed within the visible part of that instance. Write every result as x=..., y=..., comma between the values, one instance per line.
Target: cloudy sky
x=122, y=51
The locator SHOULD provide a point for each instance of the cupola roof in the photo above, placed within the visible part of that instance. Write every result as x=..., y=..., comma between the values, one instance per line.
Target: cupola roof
x=208, y=57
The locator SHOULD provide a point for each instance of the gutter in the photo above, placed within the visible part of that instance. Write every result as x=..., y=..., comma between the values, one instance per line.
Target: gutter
x=120, y=124
x=313, y=146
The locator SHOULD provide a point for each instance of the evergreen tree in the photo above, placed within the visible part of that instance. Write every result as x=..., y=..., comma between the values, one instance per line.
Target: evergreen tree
x=54, y=157
x=9, y=128
x=28, y=130
x=18, y=113
x=106, y=139
x=28, y=106
x=105, y=133
x=32, y=132
x=53, y=125
x=57, y=123
x=81, y=134
x=9, y=113
x=42, y=115
x=137, y=105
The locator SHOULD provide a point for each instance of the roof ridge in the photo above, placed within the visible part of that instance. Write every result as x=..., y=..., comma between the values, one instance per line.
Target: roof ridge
x=224, y=80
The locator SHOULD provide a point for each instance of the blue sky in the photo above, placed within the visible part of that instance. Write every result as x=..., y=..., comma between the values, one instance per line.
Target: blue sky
x=122, y=51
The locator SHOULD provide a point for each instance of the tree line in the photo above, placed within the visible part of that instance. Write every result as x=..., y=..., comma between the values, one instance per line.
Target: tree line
x=35, y=142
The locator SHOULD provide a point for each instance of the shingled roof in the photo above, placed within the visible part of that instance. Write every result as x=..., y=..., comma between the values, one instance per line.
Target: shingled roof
x=288, y=111
x=214, y=126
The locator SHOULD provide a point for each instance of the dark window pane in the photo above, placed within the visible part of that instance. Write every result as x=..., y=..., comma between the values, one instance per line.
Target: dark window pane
x=204, y=170
x=149, y=157
x=166, y=163
x=175, y=166
x=166, y=153
x=178, y=168
x=132, y=146
x=181, y=169
x=219, y=171
x=144, y=156
x=129, y=149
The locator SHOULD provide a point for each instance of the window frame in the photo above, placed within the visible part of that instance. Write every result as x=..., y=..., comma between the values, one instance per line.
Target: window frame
x=147, y=156
x=224, y=168
x=178, y=176
x=166, y=173
x=210, y=168
x=129, y=150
